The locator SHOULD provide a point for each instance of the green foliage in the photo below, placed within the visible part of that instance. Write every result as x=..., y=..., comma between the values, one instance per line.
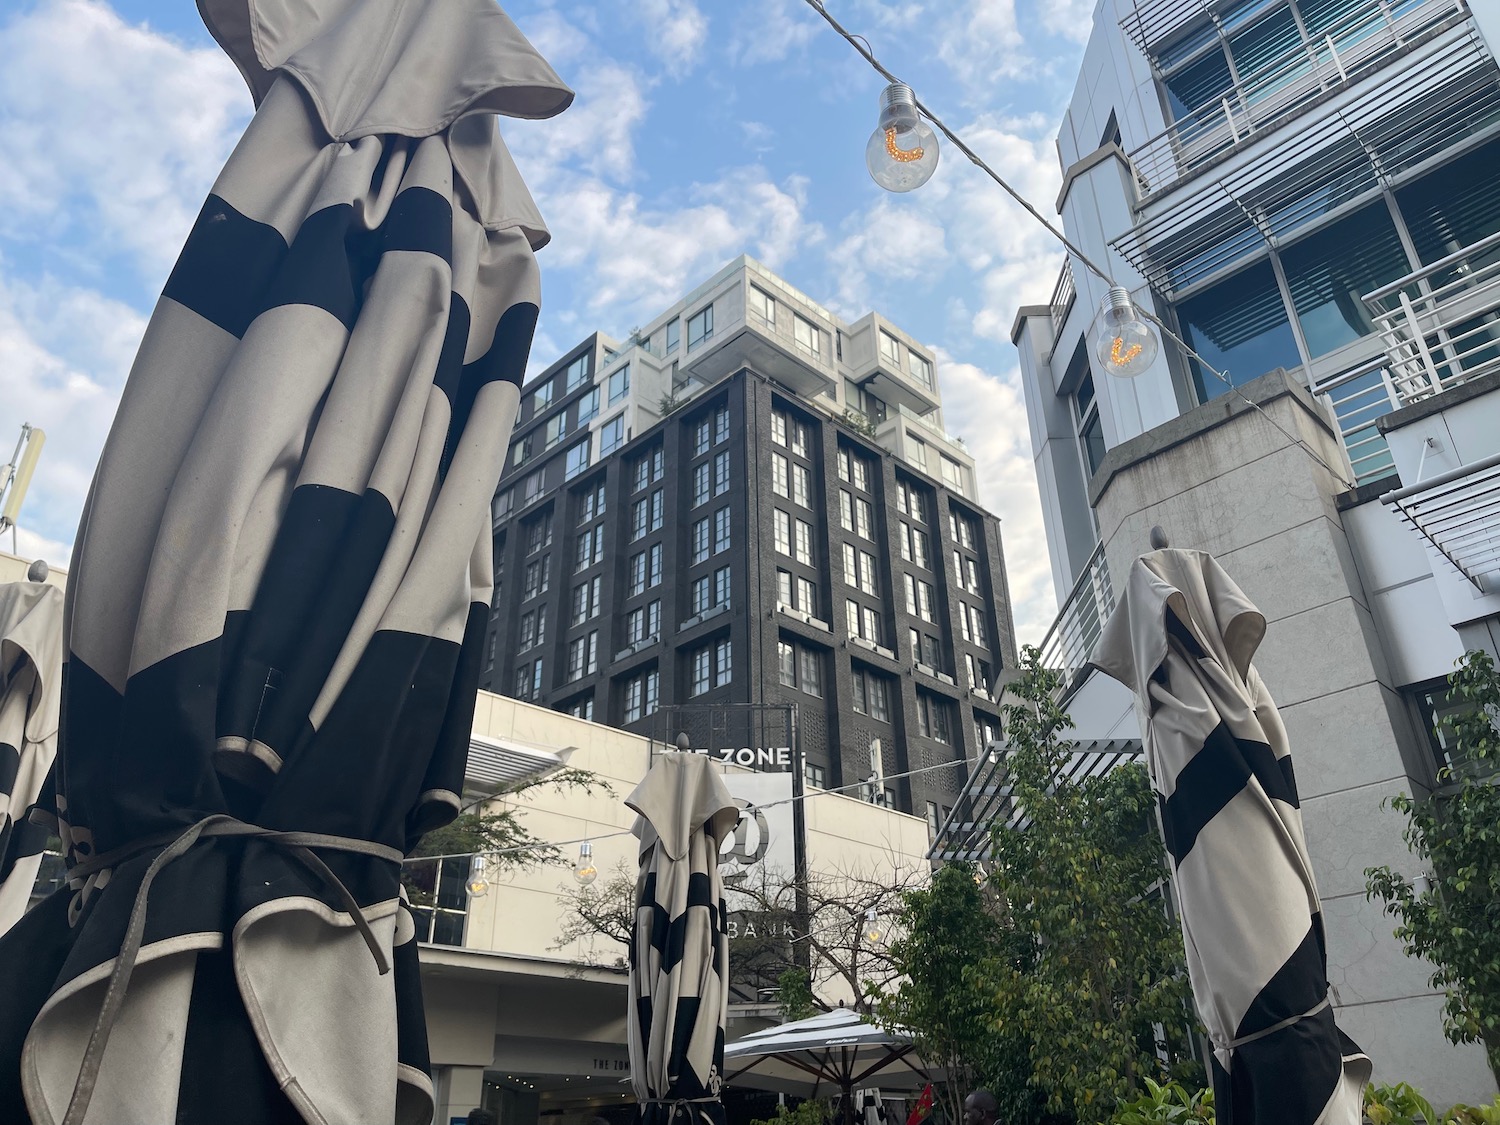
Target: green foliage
x=1473, y=1114
x=1454, y=921
x=1101, y=963
x=953, y=941
x=1168, y=1104
x=501, y=835
x=670, y=403
x=1398, y=1105
x=860, y=423
x=794, y=995
x=810, y=1112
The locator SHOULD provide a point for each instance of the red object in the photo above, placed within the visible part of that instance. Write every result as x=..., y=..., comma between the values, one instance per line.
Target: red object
x=923, y=1108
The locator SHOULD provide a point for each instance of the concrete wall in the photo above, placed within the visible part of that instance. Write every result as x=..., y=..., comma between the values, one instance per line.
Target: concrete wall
x=1224, y=479
x=13, y=569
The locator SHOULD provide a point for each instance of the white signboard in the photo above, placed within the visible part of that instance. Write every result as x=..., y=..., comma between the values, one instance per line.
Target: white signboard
x=761, y=849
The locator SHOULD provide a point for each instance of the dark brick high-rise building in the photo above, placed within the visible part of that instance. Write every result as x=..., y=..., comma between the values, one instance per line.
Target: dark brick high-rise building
x=751, y=501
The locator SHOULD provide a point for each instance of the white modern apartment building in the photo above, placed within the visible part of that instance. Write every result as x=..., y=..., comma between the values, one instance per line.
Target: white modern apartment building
x=1309, y=192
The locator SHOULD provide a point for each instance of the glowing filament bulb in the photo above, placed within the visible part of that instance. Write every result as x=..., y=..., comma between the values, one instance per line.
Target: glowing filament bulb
x=1126, y=344
x=903, y=150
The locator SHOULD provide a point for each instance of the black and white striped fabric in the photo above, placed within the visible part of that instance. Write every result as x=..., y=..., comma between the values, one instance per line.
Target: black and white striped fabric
x=1182, y=638
x=280, y=585
x=679, y=958
x=30, y=692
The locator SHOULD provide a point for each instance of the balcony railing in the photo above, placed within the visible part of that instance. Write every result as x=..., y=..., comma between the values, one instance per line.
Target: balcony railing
x=1070, y=642
x=1063, y=296
x=1356, y=44
x=1441, y=324
x=1358, y=397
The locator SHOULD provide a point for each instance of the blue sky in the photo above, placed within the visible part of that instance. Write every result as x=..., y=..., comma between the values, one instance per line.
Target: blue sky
x=703, y=129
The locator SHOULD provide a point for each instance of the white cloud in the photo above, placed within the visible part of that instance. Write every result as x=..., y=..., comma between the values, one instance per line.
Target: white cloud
x=1072, y=19
x=112, y=133
x=595, y=134
x=676, y=32
x=771, y=30
x=64, y=355
x=989, y=413
x=892, y=242
x=980, y=42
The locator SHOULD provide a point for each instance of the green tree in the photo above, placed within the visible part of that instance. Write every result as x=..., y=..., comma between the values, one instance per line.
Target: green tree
x=498, y=831
x=953, y=939
x=1100, y=992
x=1454, y=921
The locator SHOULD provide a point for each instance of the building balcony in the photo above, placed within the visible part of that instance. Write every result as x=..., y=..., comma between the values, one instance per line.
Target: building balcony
x=768, y=349
x=880, y=358
x=1284, y=85
x=1080, y=620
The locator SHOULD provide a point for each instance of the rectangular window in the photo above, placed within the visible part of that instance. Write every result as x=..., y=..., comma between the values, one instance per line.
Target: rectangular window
x=721, y=530
x=916, y=451
x=920, y=369
x=618, y=385
x=582, y=708
x=801, y=486
x=534, y=581
x=588, y=406
x=721, y=586
x=815, y=776
x=861, y=474
x=799, y=438
x=532, y=486
x=810, y=671
x=590, y=504
x=555, y=429
x=954, y=475
x=526, y=635
x=807, y=336
x=721, y=425
x=870, y=620
x=637, y=574
x=700, y=326
x=807, y=595
x=701, y=677
x=782, y=525
x=582, y=603
x=786, y=656
x=890, y=350
x=655, y=568
x=864, y=519
x=635, y=626
x=642, y=695
x=1329, y=271
x=871, y=694
x=962, y=528
x=504, y=504
x=674, y=332
x=640, y=515
x=721, y=473
x=867, y=572
x=577, y=374
x=702, y=437
x=723, y=663
x=844, y=465
x=784, y=587
x=701, y=484
x=699, y=541
x=804, y=552
x=1240, y=327
x=780, y=475
x=762, y=305
x=932, y=718
x=641, y=479
x=541, y=398
x=846, y=510
x=612, y=435
x=986, y=729
x=658, y=505
x=778, y=427
x=851, y=565
x=538, y=533
x=702, y=595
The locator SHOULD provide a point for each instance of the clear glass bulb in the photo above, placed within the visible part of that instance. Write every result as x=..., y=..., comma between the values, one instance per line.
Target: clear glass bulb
x=478, y=883
x=873, y=932
x=1125, y=344
x=584, y=870
x=903, y=150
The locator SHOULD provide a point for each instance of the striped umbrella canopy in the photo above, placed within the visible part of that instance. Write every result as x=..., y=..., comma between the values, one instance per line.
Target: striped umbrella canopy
x=679, y=955
x=280, y=586
x=30, y=694
x=1182, y=637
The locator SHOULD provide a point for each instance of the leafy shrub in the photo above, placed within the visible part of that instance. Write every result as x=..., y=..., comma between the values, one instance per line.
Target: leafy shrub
x=1398, y=1105
x=1170, y=1104
x=810, y=1112
x=1474, y=1114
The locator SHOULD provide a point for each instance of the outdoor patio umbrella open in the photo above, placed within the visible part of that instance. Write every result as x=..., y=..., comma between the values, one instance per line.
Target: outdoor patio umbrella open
x=836, y=1049
x=679, y=953
x=30, y=691
x=279, y=588
x=1182, y=637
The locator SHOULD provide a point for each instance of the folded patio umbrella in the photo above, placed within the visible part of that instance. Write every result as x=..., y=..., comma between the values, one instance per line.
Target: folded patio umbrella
x=679, y=955
x=30, y=691
x=1182, y=637
x=279, y=589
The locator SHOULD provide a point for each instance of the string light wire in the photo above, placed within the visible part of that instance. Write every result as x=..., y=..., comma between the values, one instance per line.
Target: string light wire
x=862, y=45
x=522, y=848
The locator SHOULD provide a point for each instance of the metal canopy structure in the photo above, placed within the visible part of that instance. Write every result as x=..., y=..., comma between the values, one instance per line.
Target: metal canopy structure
x=496, y=763
x=1458, y=512
x=1349, y=148
x=987, y=797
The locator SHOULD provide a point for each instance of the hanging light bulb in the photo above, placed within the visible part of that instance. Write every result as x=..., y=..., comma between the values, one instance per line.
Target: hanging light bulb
x=1125, y=344
x=478, y=883
x=584, y=870
x=903, y=150
x=873, y=933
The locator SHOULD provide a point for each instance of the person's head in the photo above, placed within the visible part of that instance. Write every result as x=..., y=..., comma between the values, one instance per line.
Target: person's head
x=980, y=1108
x=480, y=1116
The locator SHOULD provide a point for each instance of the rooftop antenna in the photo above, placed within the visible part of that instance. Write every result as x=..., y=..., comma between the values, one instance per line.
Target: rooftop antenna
x=16, y=476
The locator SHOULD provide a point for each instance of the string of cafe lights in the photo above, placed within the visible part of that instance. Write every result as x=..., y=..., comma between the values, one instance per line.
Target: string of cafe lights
x=903, y=154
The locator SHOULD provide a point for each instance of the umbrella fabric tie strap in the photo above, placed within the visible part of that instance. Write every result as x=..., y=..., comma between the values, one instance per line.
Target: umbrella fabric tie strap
x=1235, y=1044
x=296, y=844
